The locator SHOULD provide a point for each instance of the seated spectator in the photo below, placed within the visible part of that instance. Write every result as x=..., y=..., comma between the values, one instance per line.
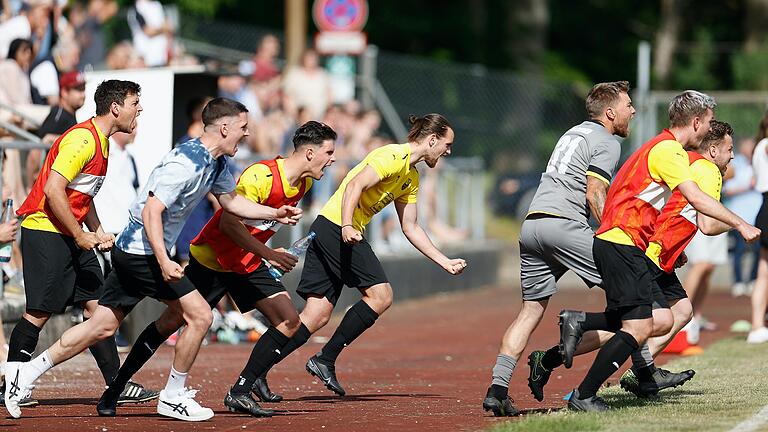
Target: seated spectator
x=31, y=23
x=123, y=56
x=89, y=31
x=45, y=76
x=308, y=85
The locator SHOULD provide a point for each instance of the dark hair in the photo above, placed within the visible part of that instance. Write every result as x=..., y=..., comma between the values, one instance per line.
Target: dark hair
x=113, y=91
x=762, y=132
x=687, y=105
x=717, y=132
x=16, y=46
x=221, y=107
x=604, y=95
x=312, y=133
x=421, y=127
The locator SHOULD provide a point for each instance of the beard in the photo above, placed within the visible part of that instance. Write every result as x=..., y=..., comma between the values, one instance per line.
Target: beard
x=622, y=130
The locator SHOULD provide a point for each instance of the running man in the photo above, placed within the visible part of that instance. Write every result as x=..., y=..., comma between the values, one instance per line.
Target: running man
x=60, y=266
x=574, y=185
x=673, y=230
x=340, y=255
x=226, y=259
x=642, y=188
x=143, y=268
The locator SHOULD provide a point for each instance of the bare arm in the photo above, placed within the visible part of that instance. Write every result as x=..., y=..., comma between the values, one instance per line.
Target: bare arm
x=407, y=213
x=710, y=226
x=247, y=209
x=709, y=206
x=234, y=228
x=56, y=197
x=597, y=191
x=365, y=179
x=107, y=240
x=151, y=216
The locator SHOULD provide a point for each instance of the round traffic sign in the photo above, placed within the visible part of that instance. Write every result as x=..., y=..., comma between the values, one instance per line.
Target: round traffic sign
x=340, y=15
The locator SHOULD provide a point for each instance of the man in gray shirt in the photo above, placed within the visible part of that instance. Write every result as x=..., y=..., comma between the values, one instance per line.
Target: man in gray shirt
x=556, y=235
x=143, y=268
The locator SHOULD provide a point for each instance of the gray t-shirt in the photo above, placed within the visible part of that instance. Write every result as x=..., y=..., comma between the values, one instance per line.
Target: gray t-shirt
x=181, y=180
x=585, y=148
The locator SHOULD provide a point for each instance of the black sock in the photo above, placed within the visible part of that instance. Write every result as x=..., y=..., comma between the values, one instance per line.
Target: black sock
x=552, y=358
x=645, y=374
x=298, y=339
x=105, y=354
x=601, y=321
x=610, y=358
x=357, y=320
x=23, y=341
x=148, y=341
x=499, y=392
x=263, y=355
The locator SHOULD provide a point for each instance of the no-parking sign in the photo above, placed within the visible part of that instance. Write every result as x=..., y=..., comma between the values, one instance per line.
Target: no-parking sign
x=340, y=15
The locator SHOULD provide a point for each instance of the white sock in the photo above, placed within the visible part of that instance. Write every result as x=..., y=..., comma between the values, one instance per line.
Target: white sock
x=176, y=382
x=37, y=366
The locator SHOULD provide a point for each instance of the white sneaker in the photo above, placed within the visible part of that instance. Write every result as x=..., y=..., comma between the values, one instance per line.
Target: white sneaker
x=182, y=406
x=758, y=336
x=739, y=289
x=16, y=388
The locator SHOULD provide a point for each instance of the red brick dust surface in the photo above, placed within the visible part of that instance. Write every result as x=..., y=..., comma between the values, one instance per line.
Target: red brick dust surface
x=425, y=365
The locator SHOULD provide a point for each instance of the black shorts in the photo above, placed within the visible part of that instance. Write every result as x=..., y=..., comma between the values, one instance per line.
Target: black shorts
x=667, y=284
x=330, y=264
x=762, y=221
x=57, y=273
x=245, y=289
x=626, y=276
x=134, y=277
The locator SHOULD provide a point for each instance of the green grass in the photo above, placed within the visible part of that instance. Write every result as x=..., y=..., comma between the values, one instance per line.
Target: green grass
x=731, y=385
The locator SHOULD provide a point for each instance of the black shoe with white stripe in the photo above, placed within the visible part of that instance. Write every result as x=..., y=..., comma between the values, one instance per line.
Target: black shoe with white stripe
x=136, y=393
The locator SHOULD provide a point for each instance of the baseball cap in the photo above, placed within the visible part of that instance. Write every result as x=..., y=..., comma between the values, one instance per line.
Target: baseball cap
x=71, y=80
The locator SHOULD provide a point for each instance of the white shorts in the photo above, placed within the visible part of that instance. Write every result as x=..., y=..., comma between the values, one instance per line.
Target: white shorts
x=711, y=249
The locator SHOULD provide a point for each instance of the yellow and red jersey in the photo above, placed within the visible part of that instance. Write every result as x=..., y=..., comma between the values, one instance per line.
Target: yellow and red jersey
x=265, y=183
x=80, y=155
x=641, y=189
x=676, y=225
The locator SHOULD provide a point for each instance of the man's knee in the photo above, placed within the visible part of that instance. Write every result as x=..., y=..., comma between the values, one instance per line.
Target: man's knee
x=682, y=312
x=379, y=297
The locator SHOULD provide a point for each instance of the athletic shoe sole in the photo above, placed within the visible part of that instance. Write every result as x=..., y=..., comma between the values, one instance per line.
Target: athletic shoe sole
x=174, y=414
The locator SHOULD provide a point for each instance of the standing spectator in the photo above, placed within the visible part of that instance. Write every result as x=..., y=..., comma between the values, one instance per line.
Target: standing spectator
x=44, y=77
x=31, y=23
x=759, y=333
x=308, y=85
x=151, y=32
x=742, y=199
x=90, y=32
x=265, y=59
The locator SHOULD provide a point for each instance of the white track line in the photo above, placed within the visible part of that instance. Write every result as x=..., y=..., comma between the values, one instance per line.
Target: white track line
x=753, y=423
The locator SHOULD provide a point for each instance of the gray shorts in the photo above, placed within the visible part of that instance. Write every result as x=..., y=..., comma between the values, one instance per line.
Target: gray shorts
x=549, y=247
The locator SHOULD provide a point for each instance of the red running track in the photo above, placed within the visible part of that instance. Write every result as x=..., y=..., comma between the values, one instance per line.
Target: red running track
x=424, y=366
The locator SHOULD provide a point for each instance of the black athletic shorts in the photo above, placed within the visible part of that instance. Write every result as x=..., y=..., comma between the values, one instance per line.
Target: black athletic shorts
x=666, y=283
x=330, y=264
x=134, y=277
x=245, y=289
x=57, y=273
x=762, y=221
x=627, y=278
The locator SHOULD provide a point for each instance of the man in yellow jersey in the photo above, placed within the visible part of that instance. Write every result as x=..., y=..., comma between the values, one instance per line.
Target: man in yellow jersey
x=60, y=266
x=340, y=255
x=225, y=258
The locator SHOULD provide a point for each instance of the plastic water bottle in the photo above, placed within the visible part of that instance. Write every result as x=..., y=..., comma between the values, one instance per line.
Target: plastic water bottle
x=8, y=215
x=297, y=249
